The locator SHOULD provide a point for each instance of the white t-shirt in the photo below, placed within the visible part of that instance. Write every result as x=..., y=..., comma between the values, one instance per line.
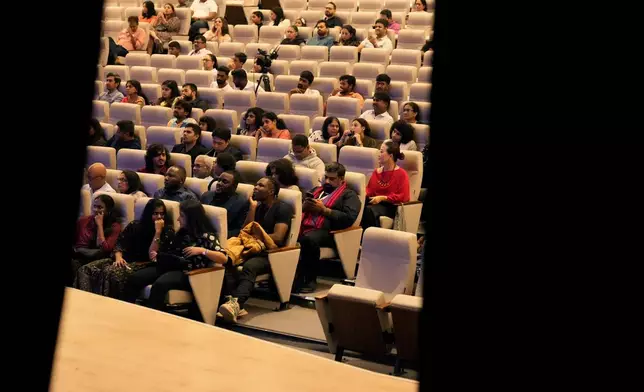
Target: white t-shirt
x=201, y=52
x=384, y=43
x=311, y=92
x=105, y=188
x=251, y=87
x=203, y=9
x=370, y=115
x=227, y=87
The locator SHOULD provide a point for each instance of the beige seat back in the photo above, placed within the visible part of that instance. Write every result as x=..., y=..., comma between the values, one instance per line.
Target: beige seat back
x=246, y=144
x=359, y=159
x=225, y=118
x=270, y=149
x=413, y=165
x=294, y=199
x=155, y=116
x=183, y=160
x=197, y=185
x=171, y=207
x=130, y=159
x=125, y=111
x=405, y=316
x=251, y=171
x=104, y=155
x=219, y=218
x=167, y=136
x=124, y=204
x=307, y=178
x=297, y=124
x=101, y=110
x=306, y=105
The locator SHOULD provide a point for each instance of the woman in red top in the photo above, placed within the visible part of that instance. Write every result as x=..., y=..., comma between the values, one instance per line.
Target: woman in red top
x=273, y=127
x=96, y=234
x=388, y=186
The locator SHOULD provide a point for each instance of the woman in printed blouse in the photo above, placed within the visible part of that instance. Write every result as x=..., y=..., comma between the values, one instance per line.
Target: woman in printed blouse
x=108, y=276
x=388, y=186
x=157, y=160
x=331, y=127
x=96, y=234
x=169, y=94
x=166, y=25
x=129, y=183
x=134, y=93
x=195, y=243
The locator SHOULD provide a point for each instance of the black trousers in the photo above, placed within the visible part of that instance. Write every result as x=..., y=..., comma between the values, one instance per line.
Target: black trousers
x=240, y=284
x=161, y=282
x=373, y=212
x=115, y=51
x=195, y=27
x=310, y=244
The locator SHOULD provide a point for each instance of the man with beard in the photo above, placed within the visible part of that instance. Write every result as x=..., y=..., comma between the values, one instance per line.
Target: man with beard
x=381, y=102
x=378, y=38
x=332, y=206
x=221, y=80
x=174, y=189
x=322, y=38
x=225, y=196
x=346, y=89
x=190, y=142
x=329, y=16
x=383, y=83
x=306, y=78
x=190, y=94
x=240, y=80
x=181, y=113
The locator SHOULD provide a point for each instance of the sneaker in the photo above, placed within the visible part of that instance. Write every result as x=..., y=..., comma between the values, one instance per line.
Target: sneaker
x=230, y=310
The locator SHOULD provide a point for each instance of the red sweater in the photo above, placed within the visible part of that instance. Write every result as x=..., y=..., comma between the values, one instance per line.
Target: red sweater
x=393, y=184
x=86, y=234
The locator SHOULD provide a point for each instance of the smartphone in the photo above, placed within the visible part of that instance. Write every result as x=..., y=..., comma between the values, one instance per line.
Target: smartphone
x=309, y=195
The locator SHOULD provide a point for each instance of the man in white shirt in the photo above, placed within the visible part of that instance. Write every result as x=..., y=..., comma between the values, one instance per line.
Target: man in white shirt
x=96, y=180
x=381, y=103
x=379, y=38
x=202, y=168
x=240, y=80
x=221, y=80
x=306, y=78
x=202, y=12
x=199, y=44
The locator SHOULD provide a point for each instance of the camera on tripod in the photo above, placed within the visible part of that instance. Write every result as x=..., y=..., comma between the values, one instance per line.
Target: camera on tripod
x=264, y=60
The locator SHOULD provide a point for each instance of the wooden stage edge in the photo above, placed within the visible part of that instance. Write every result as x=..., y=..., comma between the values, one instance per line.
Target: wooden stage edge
x=109, y=345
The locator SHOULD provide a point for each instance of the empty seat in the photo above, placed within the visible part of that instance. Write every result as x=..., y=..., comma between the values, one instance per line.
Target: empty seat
x=294, y=5
x=189, y=63
x=405, y=316
x=364, y=19
x=374, y=55
x=420, y=92
x=343, y=107
x=375, y=5
x=101, y=110
x=246, y=144
x=365, y=87
x=325, y=85
x=397, y=5
x=186, y=47
x=155, y=115
x=128, y=159
x=334, y=69
x=298, y=66
x=200, y=78
x=420, y=20
x=144, y=74
x=152, y=183
x=315, y=53
x=183, y=160
x=229, y=49
x=290, y=52
x=245, y=33
x=285, y=83
x=184, y=15
x=113, y=12
x=393, y=108
x=401, y=18
x=85, y=203
x=225, y=118
x=112, y=28
x=196, y=114
x=424, y=107
x=279, y=67
x=411, y=39
x=251, y=50
x=122, y=70
x=379, y=129
x=421, y=135
x=402, y=73
x=213, y=47
x=137, y=58
x=198, y=185
x=164, y=135
x=327, y=152
x=406, y=57
x=178, y=75
x=251, y=171
x=398, y=90
x=108, y=129
x=272, y=35
x=306, y=105
x=427, y=58
x=305, y=32
x=359, y=159
x=367, y=71
x=125, y=111
x=307, y=178
x=163, y=61
x=297, y=124
x=139, y=131
x=273, y=102
x=344, y=53
x=239, y=100
x=152, y=91
x=213, y=96
x=270, y=149
x=312, y=15
x=425, y=74
x=104, y=155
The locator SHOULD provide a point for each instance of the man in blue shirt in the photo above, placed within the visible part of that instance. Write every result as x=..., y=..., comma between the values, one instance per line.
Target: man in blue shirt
x=124, y=137
x=322, y=38
x=174, y=189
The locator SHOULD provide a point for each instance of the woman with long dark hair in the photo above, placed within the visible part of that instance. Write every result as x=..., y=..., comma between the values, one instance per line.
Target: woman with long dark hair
x=157, y=160
x=220, y=31
x=359, y=134
x=96, y=234
x=273, y=127
x=169, y=94
x=402, y=134
x=134, y=93
x=252, y=122
x=348, y=36
x=194, y=246
x=283, y=172
x=108, y=276
x=277, y=16
x=331, y=127
x=129, y=183
x=96, y=135
x=166, y=25
x=148, y=13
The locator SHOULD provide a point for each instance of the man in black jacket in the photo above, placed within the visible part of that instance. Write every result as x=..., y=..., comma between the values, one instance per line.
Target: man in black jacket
x=225, y=196
x=190, y=94
x=221, y=143
x=332, y=206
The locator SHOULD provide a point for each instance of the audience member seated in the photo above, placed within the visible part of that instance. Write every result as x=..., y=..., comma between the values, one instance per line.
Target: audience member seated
x=207, y=124
x=202, y=12
x=238, y=61
x=124, y=137
x=402, y=134
x=358, y=135
x=411, y=114
x=190, y=94
x=331, y=129
x=111, y=93
x=277, y=16
x=135, y=94
x=240, y=80
x=225, y=196
x=190, y=142
x=257, y=19
x=148, y=13
x=283, y=172
x=378, y=38
x=273, y=127
x=174, y=48
x=182, y=4
x=132, y=38
x=209, y=63
x=291, y=37
x=420, y=6
x=347, y=85
x=388, y=186
x=299, y=22
x=199, y=45
x=221, y=79
x=181, y=113
x=174, y=188
x=221, y=143
x=166, y=25
x=301, y=154
x=107, y=276
x=322, y=38
x=348, y=36
x=219, y=32
x=157, y=160
x=252, y=122
x=272, y=219
x=194, y=246
x=386, y=14
x=96, y=136
x=306, y=78
x=225, y=162
x=96, y=179
x=129, y=183
x=383, y=83
x=329, y=16
x=202, y=168
x=332, y=206
x=96, y=234
x=169, y=94
x=380, y=103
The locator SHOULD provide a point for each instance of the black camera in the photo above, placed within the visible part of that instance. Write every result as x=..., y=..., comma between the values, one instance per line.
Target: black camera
x=265, y=59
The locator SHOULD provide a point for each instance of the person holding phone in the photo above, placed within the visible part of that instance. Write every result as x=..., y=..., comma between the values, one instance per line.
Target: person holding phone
x=273, y=127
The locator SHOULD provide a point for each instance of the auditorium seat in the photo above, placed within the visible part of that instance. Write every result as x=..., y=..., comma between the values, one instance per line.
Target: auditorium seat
x=421, y=135
x=164, y=135
x=200, y=78
x=279, y=67
x=359, y=159
x=163, y=61
x=297, y=124
x=270, y=149
x=196, y=114
x=85, y=203
x=372, y=5
x=251, y=171
x=273, y=102
x=155, y=115
x=425, y=74
x=239, y=100
x=152, y=91
x=367, y=71
x=101, y=110
x=183, y=160
x=364, y=19
x=285, y=83
x=225, y=118
x=246, y=144
x=104, y=155
x=198, y=185
x=365, y=87
x=402, y=73
x=307, y=178
x=290, y=52
x=420, y=92
x=379, y=130
x=427, y=58
x=424, y=107
x=108, y=129
x=407, y=56
x=229, y=49
x=125, y=111
x=326, y=152
x=184, y=15
x=187, y=63
x=272, y=35
x=245, y=34
x=405, y=316
x=306, y=105
x=122, y=70
x=343, y=107
x=137, y=59
x=411, y=38
x=297, y=66
x=144, y=74
x=213, y=96
x=139, y=131
x=130, y=159
x=151, y=183
x=178, y=75
x=315, y=53
x=325, y=85
x=398, y=90
x=345, y=53
x=333, y=69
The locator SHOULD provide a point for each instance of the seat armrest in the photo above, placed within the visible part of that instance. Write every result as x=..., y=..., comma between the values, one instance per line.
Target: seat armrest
x=321, y=297
x=205, y=270
x=283, y=249
x=409, y=203
x=386, y=307
x=352, y=228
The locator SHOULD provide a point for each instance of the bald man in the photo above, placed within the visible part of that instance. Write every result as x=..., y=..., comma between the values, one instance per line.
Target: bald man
x=174, y=188
x=96, y=179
